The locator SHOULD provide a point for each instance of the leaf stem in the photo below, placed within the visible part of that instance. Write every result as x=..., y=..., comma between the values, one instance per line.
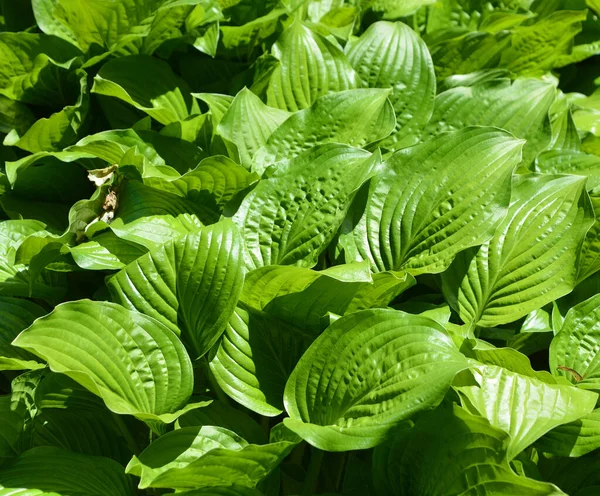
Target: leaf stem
x=312, y=474
x=124, y=430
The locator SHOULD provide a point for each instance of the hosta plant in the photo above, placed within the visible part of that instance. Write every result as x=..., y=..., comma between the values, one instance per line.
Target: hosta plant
x=296, y=247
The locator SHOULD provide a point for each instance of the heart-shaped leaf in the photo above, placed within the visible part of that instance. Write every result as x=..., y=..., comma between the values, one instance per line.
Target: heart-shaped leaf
x=191, y=284
x=368, y=372
x=433, y=201
x=133, y=362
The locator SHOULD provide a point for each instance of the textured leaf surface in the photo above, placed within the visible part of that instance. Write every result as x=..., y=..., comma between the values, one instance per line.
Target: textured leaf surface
x=532, y=258
x=521, y=108
x=367, y=373
x=391, y=55
x=525, y=407
x=355, y=117
x=577, y=345
x=280, y=231
x=247, y=125
x=310, y=66
x=575, y=439
x=144, y=369
x=435, y=200
x=191, y=285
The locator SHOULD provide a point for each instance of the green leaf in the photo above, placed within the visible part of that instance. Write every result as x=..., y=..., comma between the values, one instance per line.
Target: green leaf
x=524, y=407
x=575, y=439
x=393, y=9
x=153, y=231
x=148, y=84
x=12, y=235
x=573, y=352
x=570, y=162
x=33, y=67
x=521, y=108
x=310, y=66
x=357, y=117
x=532, y=258
x=106, y=251
x=222, y=415
x=391, y=55
x=60, y=129
x=206, y=456
x=368, y=372
x=538, y=48
x=14, y=115
x=247, y=124
x=304, y=297
x=17, y=315
x=53, y=471
x=322, y=182
x=92, y=25
x=590, y=251
x=452, y=452
x=433, y=201
x=144, y=370
x=255, y=357
x=191, y=285
x=213, y=183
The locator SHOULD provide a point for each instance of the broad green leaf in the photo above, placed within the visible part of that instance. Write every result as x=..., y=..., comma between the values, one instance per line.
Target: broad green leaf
x=433, y=201
x=291, y=216
x=214, y=182
x=574, y=349
x=590, y=251
x=148, y=84
x=60, y=129
x=368, y=372
x=17, y=280
x=54, y=471
x=191, y=285
x=532, y=258
x=206, y=456
x=255, y=357
x=104, y=25
x=60, y=392
x=17, y=315
x=106, y=251
x=468, y=53
x=523, y=406
x=521, y=108
x=223, y=415
x=13, y=233
x=14, y=115
x=303, y=297
x=137, y=201
x=538, y=48
x=355, y=117
x=393, y=9
x=33, y=67
x=392, y=55
x=570, y=162
x=153, y=231
x=247, y=125
x=310, y=66
x=575, y=439
x=452, y=452
x=144, y=369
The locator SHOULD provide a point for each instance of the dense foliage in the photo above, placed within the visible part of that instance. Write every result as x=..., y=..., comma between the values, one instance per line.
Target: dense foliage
x=299, y=247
